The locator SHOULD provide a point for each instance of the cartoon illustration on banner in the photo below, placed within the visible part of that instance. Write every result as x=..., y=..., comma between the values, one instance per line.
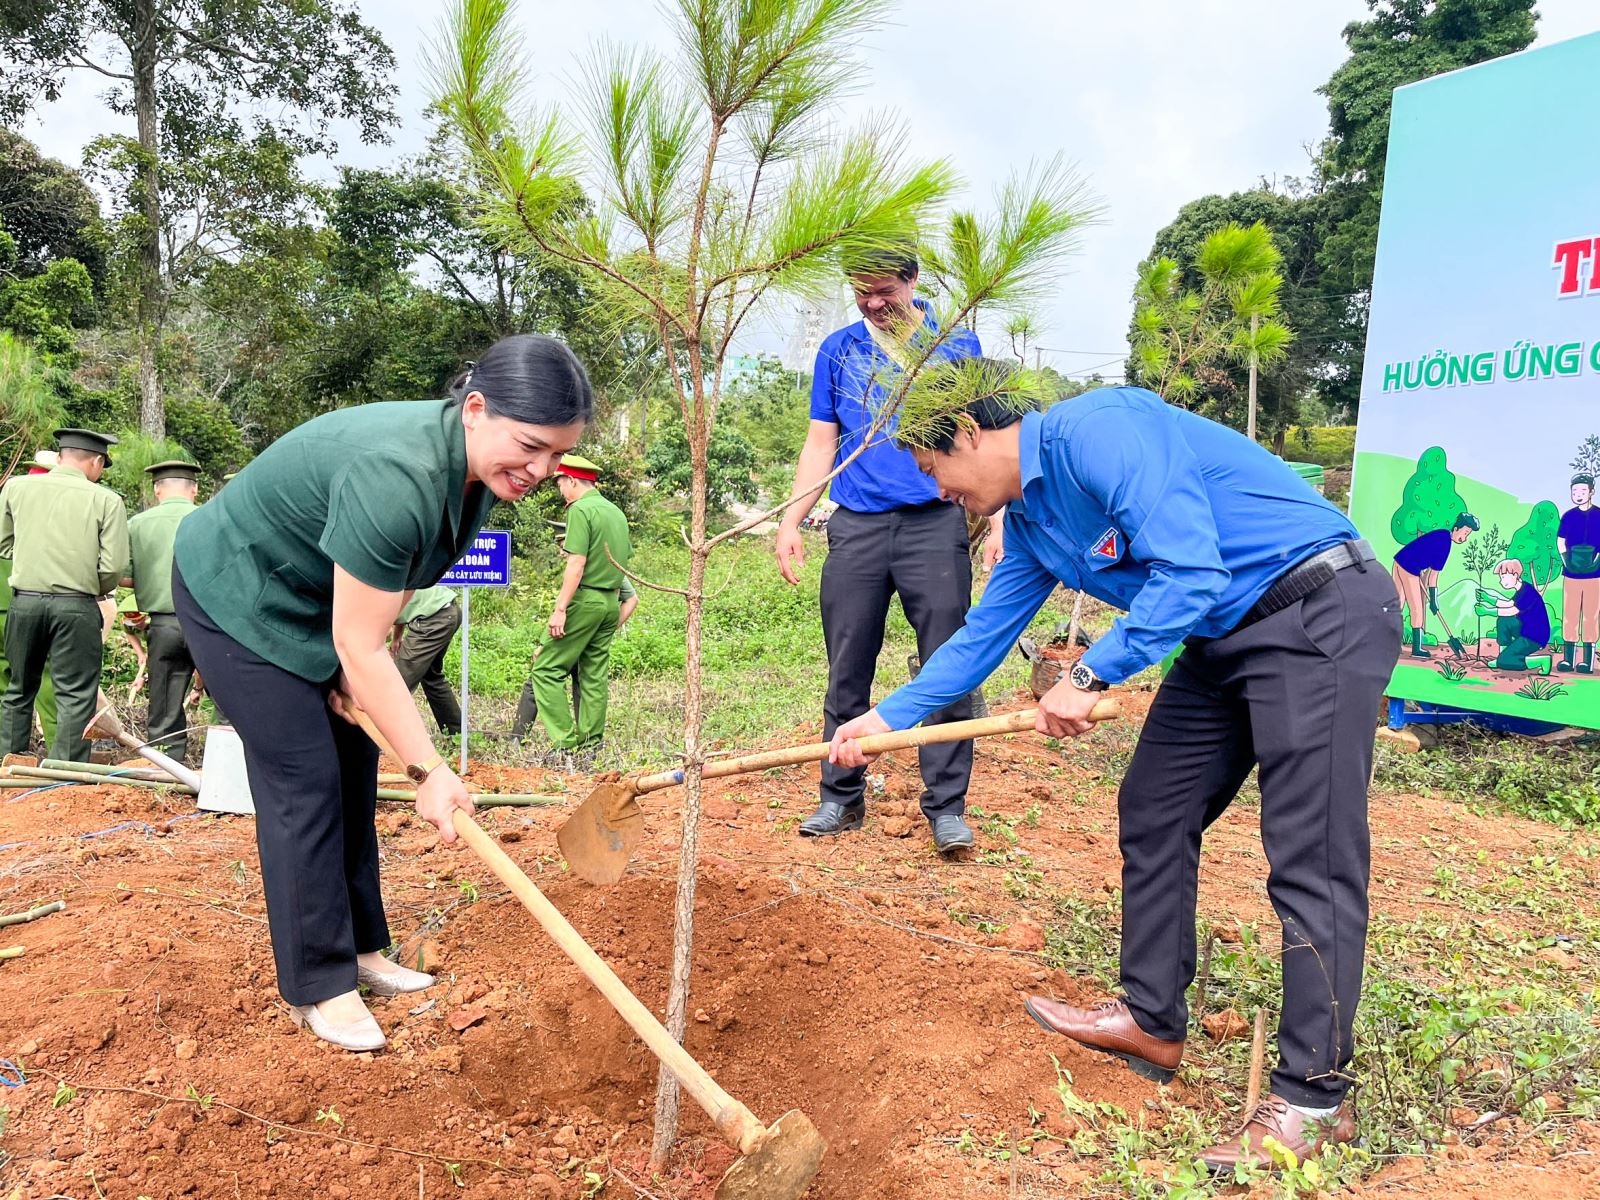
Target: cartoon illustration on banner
x=1478, y=444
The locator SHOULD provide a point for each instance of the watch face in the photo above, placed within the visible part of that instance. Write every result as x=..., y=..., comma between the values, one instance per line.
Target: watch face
x=417, y=772
x=1082, y=677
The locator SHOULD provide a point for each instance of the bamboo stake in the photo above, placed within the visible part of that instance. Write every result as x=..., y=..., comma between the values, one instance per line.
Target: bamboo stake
x=1205, y=975
x=1258, y=1055
x=12, y=952
x=50, y=774
x=33, y=914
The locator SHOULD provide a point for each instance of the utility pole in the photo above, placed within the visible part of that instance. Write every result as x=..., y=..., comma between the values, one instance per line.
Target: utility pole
x=1255, y=324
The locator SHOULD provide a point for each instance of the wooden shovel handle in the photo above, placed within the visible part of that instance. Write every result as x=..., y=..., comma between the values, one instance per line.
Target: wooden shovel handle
x=733, y=1120
x=880, y=743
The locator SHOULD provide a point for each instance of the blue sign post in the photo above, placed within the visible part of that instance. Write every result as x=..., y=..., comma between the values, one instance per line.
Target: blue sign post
x=487, y=563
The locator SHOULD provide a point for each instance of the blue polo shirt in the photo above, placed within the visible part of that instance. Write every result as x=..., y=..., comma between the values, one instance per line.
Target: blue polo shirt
x=847, y=388
x=1534, y=615
x=1581, y=527
x=1427, y=552
x=1180, y=521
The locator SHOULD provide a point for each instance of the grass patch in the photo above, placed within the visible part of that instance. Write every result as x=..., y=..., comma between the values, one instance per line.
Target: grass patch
x=1556, y=783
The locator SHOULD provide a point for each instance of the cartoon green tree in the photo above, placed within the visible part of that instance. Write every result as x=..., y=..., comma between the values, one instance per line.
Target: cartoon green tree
x=1534, y=545
x=1429, y=501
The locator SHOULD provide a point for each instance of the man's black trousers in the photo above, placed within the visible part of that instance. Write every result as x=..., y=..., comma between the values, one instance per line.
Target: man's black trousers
x=421, y=660
x=314, y=782
x=921, y=554
x=1298, y=694
x=170, y=672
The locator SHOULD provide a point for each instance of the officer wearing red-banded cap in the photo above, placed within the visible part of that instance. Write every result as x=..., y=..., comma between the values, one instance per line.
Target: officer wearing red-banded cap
x=584, y=620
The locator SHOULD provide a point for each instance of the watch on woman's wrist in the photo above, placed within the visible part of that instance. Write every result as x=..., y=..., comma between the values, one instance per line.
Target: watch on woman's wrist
x=1085, y=680
x=420, y=771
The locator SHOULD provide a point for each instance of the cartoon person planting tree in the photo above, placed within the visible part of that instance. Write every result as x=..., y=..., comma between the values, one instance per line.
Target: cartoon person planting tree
x=1523, y=623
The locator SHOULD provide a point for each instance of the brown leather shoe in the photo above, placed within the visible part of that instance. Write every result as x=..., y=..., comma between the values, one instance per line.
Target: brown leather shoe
x=1110, y=1027
x=1276, y=1118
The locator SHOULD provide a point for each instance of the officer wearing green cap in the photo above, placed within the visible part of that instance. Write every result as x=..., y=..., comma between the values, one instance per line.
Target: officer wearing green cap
x=67, y=538
x=44, y=704
x=584, y=620
x=151, y=536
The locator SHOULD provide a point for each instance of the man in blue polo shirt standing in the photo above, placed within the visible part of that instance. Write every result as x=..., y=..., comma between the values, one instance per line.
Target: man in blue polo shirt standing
x=890, y=534
x=1288, y=628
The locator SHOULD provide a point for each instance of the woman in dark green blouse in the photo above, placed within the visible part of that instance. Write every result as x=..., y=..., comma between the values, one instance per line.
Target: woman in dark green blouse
x=287, y=584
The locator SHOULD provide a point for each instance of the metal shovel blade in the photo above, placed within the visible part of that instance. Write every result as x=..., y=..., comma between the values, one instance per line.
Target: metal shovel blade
x=598, y=838
x=781, y=1167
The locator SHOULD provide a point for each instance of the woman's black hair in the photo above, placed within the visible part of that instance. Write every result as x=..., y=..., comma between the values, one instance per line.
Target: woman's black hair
x=531, y=378
x=1000, y=391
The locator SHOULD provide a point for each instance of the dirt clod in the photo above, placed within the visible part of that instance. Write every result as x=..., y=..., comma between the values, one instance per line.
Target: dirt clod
x=1225, y=1025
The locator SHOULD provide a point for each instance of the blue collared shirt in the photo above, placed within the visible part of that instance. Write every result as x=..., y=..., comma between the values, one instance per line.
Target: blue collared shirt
x=1179, y=521
x=847, y=388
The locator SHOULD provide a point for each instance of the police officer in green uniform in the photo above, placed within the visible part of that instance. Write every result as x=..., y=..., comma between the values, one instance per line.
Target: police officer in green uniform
x=287, y=584
x=584, y=621
x=422, y=636
x=151, y=534
x=67, y=538
x=44, y=704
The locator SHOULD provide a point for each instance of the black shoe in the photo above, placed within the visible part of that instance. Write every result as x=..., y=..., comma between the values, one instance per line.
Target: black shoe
x=950, y=832
x=831, y=818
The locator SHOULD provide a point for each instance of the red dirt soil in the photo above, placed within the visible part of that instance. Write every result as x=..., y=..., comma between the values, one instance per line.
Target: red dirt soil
x=828, y=977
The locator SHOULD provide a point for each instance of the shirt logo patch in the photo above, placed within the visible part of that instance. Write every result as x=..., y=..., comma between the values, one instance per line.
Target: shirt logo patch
x=1108, y=546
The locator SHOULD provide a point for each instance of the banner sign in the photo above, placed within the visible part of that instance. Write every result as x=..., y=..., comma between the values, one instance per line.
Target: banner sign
x=487, y=562
x=1479, y=437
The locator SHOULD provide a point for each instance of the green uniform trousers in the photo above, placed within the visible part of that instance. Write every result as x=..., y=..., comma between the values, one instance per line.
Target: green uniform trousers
x=169, y=673
x=63, y=634
x=44, y=704
x=591, y=624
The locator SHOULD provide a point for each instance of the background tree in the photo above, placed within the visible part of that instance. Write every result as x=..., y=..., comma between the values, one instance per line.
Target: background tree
x=1324, y=358
x=48, y=210
x=731, y=463
x=1184, y=337
x=717, y=182
x=30, y=409
x=223, y=94
x=1429, y=500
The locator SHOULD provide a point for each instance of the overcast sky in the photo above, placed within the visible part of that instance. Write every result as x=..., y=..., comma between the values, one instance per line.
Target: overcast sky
x=1156, y=101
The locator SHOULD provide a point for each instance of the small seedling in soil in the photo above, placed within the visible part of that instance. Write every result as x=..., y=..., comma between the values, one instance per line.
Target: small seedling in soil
x=468, y=890
x=193, y=1093
x=454, y=1171
x=593, y=1184
x=236, y=870
x=330, y=1114
x=64, y=1095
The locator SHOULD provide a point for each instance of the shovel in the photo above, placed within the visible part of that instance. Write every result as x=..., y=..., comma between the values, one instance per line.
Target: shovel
x=777, y=1161
x=106, y=724
x=598, y=838
x=1454, y=642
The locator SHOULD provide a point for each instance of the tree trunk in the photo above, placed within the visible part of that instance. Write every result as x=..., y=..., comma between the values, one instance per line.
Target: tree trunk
x=149, y=319
x=666, y=1118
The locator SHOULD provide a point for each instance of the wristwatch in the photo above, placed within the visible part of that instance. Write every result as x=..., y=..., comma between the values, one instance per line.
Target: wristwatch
x=1085, y=680
x=420, y=771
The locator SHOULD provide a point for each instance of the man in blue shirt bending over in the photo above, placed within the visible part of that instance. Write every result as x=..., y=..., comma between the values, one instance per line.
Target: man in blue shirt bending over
x=1288, y=629
x=890, y=534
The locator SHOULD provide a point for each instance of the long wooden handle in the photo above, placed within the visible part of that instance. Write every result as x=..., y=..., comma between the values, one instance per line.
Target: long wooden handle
x=171, y=766
x=733, y=1120
x=880, y=743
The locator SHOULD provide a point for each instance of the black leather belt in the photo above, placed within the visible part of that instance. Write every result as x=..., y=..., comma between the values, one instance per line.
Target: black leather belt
x=1300, y=580
x=53, y=595
x=594, y=587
